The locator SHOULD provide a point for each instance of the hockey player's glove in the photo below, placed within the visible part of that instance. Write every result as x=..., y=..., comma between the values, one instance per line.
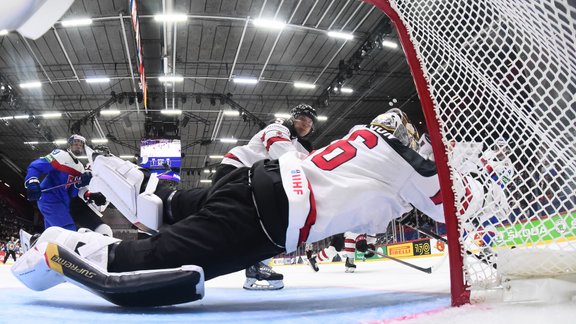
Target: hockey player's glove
x=95, y=197
x=84, y=179
x=33, y=190
x=368, y=254
x=361, y=244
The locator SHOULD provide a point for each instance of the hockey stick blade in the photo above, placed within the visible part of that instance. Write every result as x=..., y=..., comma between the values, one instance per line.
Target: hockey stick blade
x=413, y=266
x=440, y=238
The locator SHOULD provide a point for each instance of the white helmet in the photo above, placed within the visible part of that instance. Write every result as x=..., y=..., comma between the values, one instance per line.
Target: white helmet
x=76, y=137
x=396, y=122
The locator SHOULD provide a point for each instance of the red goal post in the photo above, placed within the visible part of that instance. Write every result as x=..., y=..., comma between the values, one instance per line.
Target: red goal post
x=497, y=82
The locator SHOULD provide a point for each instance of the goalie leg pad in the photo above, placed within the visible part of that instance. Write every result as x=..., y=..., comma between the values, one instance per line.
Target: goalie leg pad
x=132, y=289
x=33, y=271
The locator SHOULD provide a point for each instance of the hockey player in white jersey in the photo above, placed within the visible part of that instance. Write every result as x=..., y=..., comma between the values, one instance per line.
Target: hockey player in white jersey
x=281, y=136
x=349, y=242
x=250, y=215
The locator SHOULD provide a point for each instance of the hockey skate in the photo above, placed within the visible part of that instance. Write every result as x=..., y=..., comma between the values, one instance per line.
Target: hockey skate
x=350, y=266
x=312, y=261
x=262, y=272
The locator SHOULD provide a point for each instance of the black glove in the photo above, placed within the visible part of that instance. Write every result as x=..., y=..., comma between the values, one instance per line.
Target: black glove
x=368, y=254
x=361, y=244
x=84, y=179
x=95, y=197
x=33, y=190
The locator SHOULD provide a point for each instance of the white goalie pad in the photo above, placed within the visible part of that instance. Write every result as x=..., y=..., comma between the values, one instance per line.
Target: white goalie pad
x=120, y=181
x=33, y=271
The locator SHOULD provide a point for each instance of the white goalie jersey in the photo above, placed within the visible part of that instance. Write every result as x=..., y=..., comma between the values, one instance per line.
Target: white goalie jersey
x=358, y=183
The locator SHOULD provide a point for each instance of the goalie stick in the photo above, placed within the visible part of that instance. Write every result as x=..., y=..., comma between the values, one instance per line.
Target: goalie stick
x=438, y=237
x=413, y=266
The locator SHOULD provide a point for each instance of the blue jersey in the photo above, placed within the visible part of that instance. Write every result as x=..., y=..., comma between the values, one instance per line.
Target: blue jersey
x=60, y=167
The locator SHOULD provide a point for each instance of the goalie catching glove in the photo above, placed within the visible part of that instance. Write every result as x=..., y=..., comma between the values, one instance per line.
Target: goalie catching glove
x=61, y=256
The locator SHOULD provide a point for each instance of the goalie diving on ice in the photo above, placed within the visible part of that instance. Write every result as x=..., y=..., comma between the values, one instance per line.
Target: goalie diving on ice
x=251, y=214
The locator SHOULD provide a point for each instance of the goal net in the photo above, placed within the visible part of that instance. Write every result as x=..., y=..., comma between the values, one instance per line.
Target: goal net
x=497, y=83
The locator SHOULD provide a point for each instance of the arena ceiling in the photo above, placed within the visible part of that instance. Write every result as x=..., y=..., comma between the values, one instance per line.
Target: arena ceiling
x=217, y=44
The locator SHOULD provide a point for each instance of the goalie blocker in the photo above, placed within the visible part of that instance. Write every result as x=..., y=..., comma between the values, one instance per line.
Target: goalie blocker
x=49, y=263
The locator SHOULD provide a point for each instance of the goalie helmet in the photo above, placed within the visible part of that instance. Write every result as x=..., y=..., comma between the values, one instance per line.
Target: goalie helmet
x=396, y=122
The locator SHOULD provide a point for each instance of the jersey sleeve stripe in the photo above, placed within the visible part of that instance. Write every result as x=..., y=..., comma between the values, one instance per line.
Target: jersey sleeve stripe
x=63, y=168
x=273, y=140
x=310, y=219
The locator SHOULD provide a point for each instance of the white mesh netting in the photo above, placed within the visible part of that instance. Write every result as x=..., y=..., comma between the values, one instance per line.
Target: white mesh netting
x=502, y=77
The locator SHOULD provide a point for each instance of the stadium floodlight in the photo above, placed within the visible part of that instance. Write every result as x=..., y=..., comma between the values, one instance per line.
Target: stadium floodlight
x=171, y=78
x=269, y=23
x=245, y=80
x=52, y=115
x=389, y=44
x=341, y=35
x=30, y=84
x=170, y=17
x=171, y=111
x=76, y=22
x=98, y=80
x=231, y=113
x=304, y=85
x=228, y=140
x=109, y=112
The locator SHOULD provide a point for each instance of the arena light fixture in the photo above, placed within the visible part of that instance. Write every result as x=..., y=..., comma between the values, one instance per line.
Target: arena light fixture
x=269, y=23
x=171, y=111
x=389, y=44
x=60, y=141
x=99, y=140
x=32, y=143
x=228, y=140
x=281, y=115
x=245, y=80
x=231, y=113
x=3, y=32
x=76, y=22
x=98, y=80
x=52, y=115
x=346, y=90
x=171, y=78
x=304, y=85
x=109, y=112
x=341, y=35
x=216, y=157
x=170, y=17
x=22, y=117
x=30, y=84
x=126, y=156
x=206, y=181
x=322, y=118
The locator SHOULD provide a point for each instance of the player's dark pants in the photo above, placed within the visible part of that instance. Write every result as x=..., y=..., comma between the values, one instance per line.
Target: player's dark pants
x=222, y=233
x=83, y=216
x=10, y=253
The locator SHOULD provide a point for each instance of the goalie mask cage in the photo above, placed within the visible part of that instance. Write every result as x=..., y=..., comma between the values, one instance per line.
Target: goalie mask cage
x=500, y=75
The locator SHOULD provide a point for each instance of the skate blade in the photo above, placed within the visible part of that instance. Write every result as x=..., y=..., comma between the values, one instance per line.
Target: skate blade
x=253, y=284
x=350, y=270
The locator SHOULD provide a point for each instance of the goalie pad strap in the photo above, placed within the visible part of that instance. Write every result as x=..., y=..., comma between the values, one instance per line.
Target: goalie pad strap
x=134, y=289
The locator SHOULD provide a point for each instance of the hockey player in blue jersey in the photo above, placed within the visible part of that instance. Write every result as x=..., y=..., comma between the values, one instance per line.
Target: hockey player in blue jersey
x=63, y=183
